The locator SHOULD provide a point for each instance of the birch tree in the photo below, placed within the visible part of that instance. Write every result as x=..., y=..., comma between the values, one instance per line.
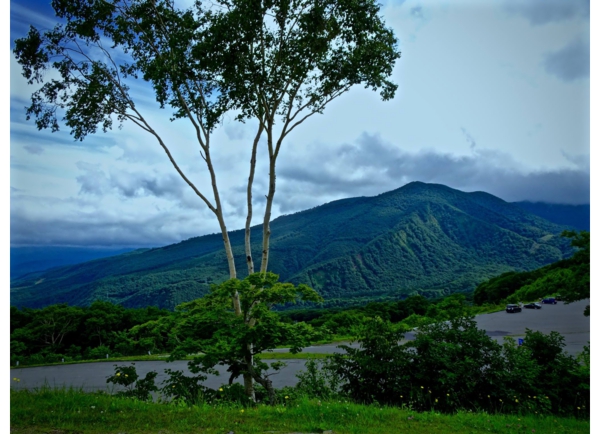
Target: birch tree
x=277, y=62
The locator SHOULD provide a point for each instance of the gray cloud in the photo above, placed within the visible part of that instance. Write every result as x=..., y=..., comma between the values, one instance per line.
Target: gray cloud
x=106, y=230
x=129, y=185
x=34, y=149
x=570, y=62
x=93, y=181
x=539, y=12
x=371, y=166
x=470, y=140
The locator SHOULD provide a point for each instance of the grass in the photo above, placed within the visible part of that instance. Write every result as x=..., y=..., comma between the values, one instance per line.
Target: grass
x=69, y=411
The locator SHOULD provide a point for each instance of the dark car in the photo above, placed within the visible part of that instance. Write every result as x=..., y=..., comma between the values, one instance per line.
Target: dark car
x=549, y=301
x=533, y=306
x=512, y=308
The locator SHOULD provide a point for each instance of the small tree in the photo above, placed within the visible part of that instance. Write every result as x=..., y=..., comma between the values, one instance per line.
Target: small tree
x=209, y=326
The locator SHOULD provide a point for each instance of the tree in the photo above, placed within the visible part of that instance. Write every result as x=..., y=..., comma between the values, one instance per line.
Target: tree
x=579, y=287
x=211, y=327
x=276, y=61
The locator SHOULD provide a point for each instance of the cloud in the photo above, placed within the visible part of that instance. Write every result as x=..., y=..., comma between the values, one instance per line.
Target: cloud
x=570, y=62
x=93, y=181
x=540, y=12
x=469, y=137
x=129, y=184
x=371, y=166
x=34, y=149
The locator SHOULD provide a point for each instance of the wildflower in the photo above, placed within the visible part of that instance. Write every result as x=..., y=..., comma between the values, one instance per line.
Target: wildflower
x=220, y=389
x=578, y=408
x=500, y=400
x=488, y=396
x=447, y=394
x=422, y=387
x=429, y=391
x=118, y=374
x=436, y=400
x=534, y=397
x=286, y=397
x=516, y=400
x=126, y=375
x=93, y=406
x=401, y=396
x=242, y=410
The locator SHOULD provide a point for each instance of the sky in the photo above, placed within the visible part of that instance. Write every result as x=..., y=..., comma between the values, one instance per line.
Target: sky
x=493, y=96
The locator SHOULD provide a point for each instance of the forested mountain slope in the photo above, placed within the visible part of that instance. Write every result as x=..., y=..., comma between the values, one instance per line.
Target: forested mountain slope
x=421, y=237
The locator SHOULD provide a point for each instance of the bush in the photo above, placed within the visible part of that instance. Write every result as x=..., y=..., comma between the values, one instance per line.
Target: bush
x=127, y=377
x=183, y=388
x=453, y=366
x=319, y=380
x=379, y=369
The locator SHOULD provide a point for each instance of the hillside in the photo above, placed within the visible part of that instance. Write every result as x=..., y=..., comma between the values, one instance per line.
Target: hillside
x=25, y=260
x=421, y=237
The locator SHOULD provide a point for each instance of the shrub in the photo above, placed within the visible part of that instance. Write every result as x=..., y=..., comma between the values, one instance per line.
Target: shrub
x=127, y=377
x=319, y=380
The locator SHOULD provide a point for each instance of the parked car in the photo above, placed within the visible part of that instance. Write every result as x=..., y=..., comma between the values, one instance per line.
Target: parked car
x=549, y=300
x=512, y=308
x=533, y=306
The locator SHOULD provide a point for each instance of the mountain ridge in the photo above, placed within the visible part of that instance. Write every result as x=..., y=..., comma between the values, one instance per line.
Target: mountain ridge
x=426, y=238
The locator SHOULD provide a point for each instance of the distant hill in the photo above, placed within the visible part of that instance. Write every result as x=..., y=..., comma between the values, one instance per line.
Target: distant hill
x=576, y=216
x=425, y=238
x=25, y=260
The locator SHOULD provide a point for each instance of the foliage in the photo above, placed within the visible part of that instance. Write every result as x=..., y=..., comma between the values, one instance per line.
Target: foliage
x=318, y=380
x=452, y=366
x=210, y=326
x=135, y=387
x=59, y=332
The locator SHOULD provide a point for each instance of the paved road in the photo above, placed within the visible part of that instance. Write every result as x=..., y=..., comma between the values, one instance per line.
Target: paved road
x=565, y=319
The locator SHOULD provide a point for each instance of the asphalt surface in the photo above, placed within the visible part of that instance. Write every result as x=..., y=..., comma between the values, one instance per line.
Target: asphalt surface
x=568, y=320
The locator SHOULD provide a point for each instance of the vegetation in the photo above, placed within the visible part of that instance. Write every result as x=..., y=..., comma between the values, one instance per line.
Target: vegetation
x=570, y=278
x=60, y=333
x=68, y=411
x=422, y=239
x=453, y=366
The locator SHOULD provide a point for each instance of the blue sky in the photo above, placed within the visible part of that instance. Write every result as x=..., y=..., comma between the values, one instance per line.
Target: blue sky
x=493, y=95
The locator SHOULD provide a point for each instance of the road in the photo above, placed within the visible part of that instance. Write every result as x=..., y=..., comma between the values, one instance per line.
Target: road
x=565, y=319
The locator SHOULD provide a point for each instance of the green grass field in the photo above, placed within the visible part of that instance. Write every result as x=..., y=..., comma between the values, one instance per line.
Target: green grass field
x=64, y=411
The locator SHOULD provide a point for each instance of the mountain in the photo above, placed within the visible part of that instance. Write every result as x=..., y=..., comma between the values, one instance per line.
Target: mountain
x=25, y=260
x=421, y=237
x=576, y=216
